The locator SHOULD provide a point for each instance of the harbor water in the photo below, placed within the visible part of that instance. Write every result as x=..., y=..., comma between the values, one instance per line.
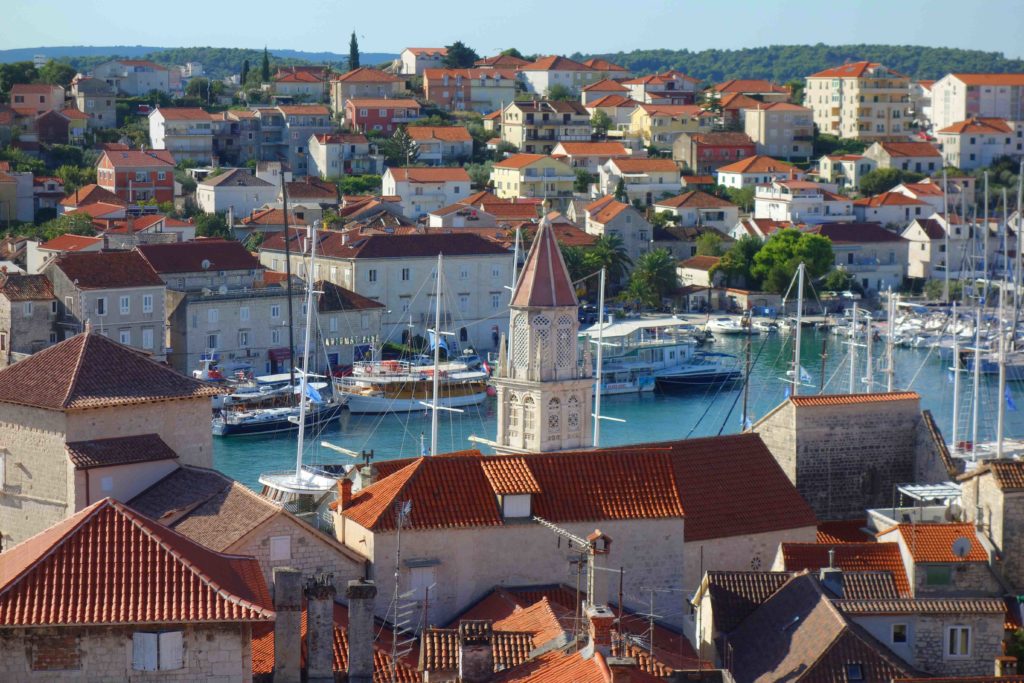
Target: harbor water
x=704, y=411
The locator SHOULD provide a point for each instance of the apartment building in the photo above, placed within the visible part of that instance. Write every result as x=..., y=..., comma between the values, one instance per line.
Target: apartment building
x=186, y=132
x=644, y=180
x=958, y=97
x=781, y=130
x=533, y=175
x=32, y=99
x=861, y=101
x=756, y=170
x=97, y=99
x=413, y=61
x=425, y=189
x=363, y=83
x=383, y=115
x=481, y=90
x=134, y=77
x=442, y=145
x=547, y=72
x=537, y=126
x=919, y=157
x=332, y=155
x=136, y=176
x=660, y=125
x=705, y=153
x=801, y=201
x=978, y=142
x=300, y=121
x=845, y=170
x=236, y=190
x=669, y=87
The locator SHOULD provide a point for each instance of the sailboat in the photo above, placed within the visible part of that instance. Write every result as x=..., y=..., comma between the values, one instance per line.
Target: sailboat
x=311, y=408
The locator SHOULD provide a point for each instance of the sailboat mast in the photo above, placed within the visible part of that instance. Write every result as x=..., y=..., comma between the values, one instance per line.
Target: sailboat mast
x=437, y=356
x=984, y=249
x=956, y=380
x=515, y=262
x=288, y=280
x=799, y=327
x=1016, y=270
x=746, y=387
x=869, y=379
x=1001, y=400
x=853, y=352
x=311, y=236
x=977, y=383
x=890, y=369
x=945, y=217
x=600, y=360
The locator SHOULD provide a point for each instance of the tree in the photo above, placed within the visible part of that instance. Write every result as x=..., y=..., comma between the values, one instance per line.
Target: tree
x=575, y=262
x=709, y=244
x=884, y=179
x=503, y=149
x=741, y=197
x=601, y=122
x=609, y=252
x=653, y=278
x=353, y=52
x=560, y=93
x=211, y=225
x=15, y=73
x=512, y=52
x=620, y=191
x=584, y=178
x=68, y=224
x=736, y=263
x=203, y=89
x=359, y=184
x=265, y=66
x=460, y=56
x=75, y=177
x=57, y=73
x=933, y=289
x=777, y=261
x=243, y=77
x=480, y=174
x=21, y=162
x=400, y=149
x=841, y=281
x=796, y=90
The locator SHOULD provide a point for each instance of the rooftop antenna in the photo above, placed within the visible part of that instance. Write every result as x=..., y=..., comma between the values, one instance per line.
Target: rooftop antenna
x=402, y=612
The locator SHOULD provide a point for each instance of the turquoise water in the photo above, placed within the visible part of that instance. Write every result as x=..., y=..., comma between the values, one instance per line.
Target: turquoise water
x=648, y=417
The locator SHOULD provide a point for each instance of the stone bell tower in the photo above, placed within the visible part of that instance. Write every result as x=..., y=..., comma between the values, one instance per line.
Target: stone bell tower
x=545, y=395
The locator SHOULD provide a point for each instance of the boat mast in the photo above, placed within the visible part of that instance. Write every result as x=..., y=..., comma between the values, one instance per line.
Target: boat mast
x=853, y=352
x=945, y=237
x=437, y=357
x=600, y=360
x=1017, y=266
x=312, y=237
x=956, y=378
x=977, y=385
x=288, y=279
x=1001, y=400
x=869, y=379
x=746, y=387
x=984, y=249
x=890, y=369
x=515, y=262
x=799, y=326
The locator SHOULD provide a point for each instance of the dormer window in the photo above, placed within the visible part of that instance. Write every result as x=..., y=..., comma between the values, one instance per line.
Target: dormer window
x=515, y=506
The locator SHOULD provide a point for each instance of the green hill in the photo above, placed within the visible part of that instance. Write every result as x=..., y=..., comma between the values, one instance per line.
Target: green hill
x=781, y=63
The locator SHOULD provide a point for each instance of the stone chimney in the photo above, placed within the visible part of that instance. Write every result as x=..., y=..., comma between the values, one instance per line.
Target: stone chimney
x=367, y=475
x=346, y=494
x=621, y=669
x=601, y=620
x=287, y=625
x=476, y=653
x=831, y=577
x=360, y=595
x=320, y=594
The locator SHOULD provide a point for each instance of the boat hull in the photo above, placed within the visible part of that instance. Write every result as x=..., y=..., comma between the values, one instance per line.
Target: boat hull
x=683, y=382
x=314, y=419
x=362, y=404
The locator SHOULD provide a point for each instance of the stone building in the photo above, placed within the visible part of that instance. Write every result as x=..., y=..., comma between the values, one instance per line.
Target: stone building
x=27, y=313
x=182, y=612
x=934, y=568
x=993, y=499
x=846, y=453
x=90, y=418
x=544, y=395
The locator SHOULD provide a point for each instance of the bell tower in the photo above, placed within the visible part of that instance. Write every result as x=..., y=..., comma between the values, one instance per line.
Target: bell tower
x=545, y=394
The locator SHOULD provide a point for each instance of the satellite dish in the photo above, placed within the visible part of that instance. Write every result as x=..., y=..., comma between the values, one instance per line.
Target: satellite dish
x=205, y=264
x=953, y=513
x=962, y=546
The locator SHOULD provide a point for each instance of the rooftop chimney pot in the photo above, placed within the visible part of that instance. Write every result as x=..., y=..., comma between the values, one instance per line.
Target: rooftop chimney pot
x=287, y=624
x=320, y=594
x=360, y=594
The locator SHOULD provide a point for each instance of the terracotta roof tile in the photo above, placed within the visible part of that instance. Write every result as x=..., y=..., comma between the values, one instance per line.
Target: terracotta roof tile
x=853, y=399
x=594, y=148
x=924, y=606
x=735, y=595
x=869, y=586
x=521, y=160
x=272, y=217
x=758, y=164
x=844, y=531
x=853, y=557
x=71, y=243
x=91, y=371
x=599, y=64
x=443, y=133
x=613, y=101
x=122, y=450
x=304, y=110
x=606, y=85
x=138, y=159
x=107, y=549
x=910, y=149
x=980, y=126
x=1009, y=474
x=555, y=63
x=696, y=199
x=91, y=193
x=934, y=542
x=646, y=165
x=510, y=476
x=429, y=175
x=544, y=280
x=736, y=101
x=439, y=649
x=700, y=262
x=107, y=270
x=100, y=210
x=183, y=113
x=608, y=211
x=188, y=257
x=754, y=85
x=991, y=79
x=852, y=70
x=337, y=298
x=383, y=103
x=888, y=199
x=510, y=61
x=16, y=287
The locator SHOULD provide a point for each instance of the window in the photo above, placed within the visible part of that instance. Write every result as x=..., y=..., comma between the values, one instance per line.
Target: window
x=495, y=300
x=69, y=306
x=464, y=273
x=516, y=505
x=371, y=275
x=26, y=309
x=422, y=578
x=213, y=316
x=464, y=303
x=101, y=305
x=125, y=336
x=147, y=337
x=243, y=314
x=125, y=305
x=364, y=321
x=958, y=642
x=405, y=274
x=280, y=548
x=854, y=672
x=213, y=341
x=275, y=311
x=161, y=651
x=899, y=633
x=243, y=338
x=495, y=272
x=147, y=303
x=161, y=175
x=3, y=469
x=333, y=324
x=938, y=575
x=275, y=336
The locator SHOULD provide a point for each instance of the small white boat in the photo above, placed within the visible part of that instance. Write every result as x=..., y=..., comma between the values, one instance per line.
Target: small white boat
x=730, y=326
x=767, y=326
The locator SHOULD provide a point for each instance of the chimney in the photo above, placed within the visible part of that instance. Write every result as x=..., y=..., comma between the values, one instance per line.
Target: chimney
x=621, y=669
x=476, y=653
x=360, y=595
x=367, y=476
x=320, y=594
x=601, y=620
x=831, y=577
x=287, y=625
x=346, y=493
x=598, y=585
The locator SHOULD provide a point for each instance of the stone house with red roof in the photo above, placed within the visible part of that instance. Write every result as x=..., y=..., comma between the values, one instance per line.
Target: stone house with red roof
x=927, y=237
x=608, y=216
x=183, y=612
x=364, y=82
x=136, y=176
x=993, y=502
x=27, y=313
x=90, y=418
x=917, y=157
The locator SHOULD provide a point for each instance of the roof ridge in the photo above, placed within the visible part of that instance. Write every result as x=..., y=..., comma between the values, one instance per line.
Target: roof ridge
x=409, y=471
x=78, y=368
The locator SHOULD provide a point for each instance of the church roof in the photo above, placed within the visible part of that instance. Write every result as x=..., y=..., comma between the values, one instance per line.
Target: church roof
x=545, y=279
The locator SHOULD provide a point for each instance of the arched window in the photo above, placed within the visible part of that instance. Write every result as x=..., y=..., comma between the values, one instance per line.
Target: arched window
x=529, y=417
x=565, y=342
x=554, y=418
x=572, y=415
x=513, y=414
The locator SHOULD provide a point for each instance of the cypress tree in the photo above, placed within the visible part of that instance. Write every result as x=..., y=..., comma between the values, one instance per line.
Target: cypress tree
x=353, y=52
x=265, y=68
x=244, y=76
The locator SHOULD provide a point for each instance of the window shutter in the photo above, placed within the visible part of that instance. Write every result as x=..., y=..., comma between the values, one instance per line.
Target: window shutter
x=144, y=651
x=172, y=654
x=280, y=548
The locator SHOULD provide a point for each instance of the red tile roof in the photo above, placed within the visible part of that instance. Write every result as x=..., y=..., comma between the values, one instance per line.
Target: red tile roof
x=606, y=85
x=19, y=287
x=91, y=371
x=133, y=158
x=743, y=85
x=695, y=199
x=853, y=70
x=107, y=270
x=599, y=64
x=1008, y=474
x=88, y=194
x=991, y=79
x=758, y=164
x=934, y=542
x=555, y=63
x=333, y=244
x=736, y=101
x=521, y=160
x=444, y=133
x=122, y=450
x=429, y=175
x=428, y=51
x=183, y=113
x=383, y=103
x=851, y=557
x=510, y=61
x=99, y=209
x=853, y=399
x=612, y=101
x=559, y=667
x=337, y=298
x=700, y=262
x=273, y=217
x=109, y=565
x=646, y=165
x=608, y=211
x=297, y=77
x=71, y=242
x=594, y=148
x=544, y=280
x=888, y=199
x=981, y=126
x=304, y=110
x=910, y=149
x=844, y=531
x=951, y=605
x=366, y=74
x=855, y=233
x=188, y=257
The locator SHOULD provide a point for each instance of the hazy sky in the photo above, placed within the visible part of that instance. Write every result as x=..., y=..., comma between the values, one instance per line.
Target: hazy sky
x=546, y=26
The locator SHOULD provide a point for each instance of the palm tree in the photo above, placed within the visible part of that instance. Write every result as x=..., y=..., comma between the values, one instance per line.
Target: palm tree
x=576, y=263
x=653, y=278
x=609, y=252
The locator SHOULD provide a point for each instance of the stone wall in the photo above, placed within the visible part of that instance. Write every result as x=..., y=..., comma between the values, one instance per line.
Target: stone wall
x=929, y=644
x=122, y=482
x=26, y=333
x=184, y=425
x=932, y=461
x=968, y=578
x=218, y=653
x=35, y=494
x=754, y=552
x=778, y=431
x=1002, y=522
x=311, y=553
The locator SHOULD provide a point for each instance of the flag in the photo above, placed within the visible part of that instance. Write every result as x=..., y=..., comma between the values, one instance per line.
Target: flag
x=805, y=376
x=1009, y=400
x=313, y=394
x=443, y=344
x=487, y=368
x=949, y=377
x=789, y=390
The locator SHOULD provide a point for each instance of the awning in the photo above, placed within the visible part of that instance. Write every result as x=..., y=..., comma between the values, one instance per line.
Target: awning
x=279, y=354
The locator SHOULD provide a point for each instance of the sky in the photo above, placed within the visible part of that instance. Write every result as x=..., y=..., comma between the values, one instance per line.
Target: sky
x=533, y=26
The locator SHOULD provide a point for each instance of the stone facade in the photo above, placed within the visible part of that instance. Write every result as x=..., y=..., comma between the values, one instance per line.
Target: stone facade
x=999, y=516
x=25, y=327
x=219, y=653
x=845, y=457
x=752, y=552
